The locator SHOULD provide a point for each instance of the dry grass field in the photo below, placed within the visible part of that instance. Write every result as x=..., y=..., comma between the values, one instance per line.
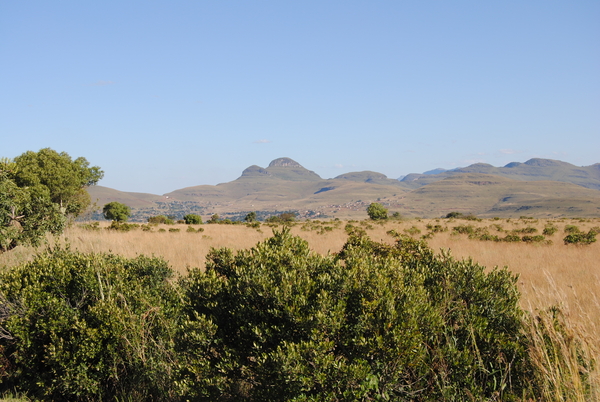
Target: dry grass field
x=568, y=275
x=549, y=274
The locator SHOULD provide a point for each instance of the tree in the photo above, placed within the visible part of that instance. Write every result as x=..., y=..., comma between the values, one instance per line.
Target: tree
x=213, y=219
x=26, y=214
x=192, y=219
x=65, y=179
x=251, y=217
x=37, y=192
x=116, y=211
x=377, y=212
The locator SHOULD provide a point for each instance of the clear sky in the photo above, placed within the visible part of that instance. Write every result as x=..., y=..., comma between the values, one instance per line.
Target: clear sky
x=169, y=94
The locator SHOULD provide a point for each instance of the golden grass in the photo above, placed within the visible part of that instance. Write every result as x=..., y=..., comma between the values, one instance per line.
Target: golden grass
x=556, y=274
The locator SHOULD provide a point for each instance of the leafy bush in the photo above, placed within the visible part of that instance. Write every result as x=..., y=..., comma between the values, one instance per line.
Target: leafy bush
x=116, y=211
x=549, y=230
x=192, y=219
x=88, y=327
x=377, y=212
x=122, y=226
x=436, y=228
x=160, y=219
x=174, y=230
x=464, y=229
x=375, y=322
x=572, y=229
x=90, y=226
x=413, y=230
x=527, y=230
x=581, y=238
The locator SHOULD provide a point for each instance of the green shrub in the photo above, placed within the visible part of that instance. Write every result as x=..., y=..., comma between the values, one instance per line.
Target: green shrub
x=375, y=322
x=527, y=230
x=436, y=228
x=581, y=238
x=122, y=226
x=413, y=230
x=550, y=230
x=160, y=219
x=571, y=229
x=88, y=327
x=174, y=230
x=90, y=226
x=533, y=239
x=192, y=219
x=464, y=229
x=377, y=212
x=511, y=238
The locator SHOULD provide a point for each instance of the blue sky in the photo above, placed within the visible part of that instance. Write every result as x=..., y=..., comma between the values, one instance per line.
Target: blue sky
x=164, y=95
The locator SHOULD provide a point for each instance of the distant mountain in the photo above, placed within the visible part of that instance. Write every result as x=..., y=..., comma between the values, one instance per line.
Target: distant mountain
x=541, y=187
x=532, y=170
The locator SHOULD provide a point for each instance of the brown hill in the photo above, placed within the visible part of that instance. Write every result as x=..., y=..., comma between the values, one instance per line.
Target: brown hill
x=286, y=185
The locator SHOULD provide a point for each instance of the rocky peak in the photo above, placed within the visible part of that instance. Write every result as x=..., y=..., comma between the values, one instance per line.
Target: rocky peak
x=284, y=162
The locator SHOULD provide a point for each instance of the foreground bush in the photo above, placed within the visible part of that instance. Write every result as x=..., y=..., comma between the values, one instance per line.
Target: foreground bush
x=280, y=323
x=88, y=327
x=374, y=322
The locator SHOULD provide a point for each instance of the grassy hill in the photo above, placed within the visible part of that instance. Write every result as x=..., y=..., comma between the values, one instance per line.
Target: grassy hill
x=287, y=186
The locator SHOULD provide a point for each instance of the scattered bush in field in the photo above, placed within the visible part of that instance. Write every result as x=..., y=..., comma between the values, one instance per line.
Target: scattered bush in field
x=549, y=230
x=464, y=229
x=191, y=229
x=250, y=217
x=460, y=215
x=192, y=219
x=88, y=327
x=413, y=230
x=160, y=219
x=498, y=227
x=454, y=215
x=581, y=238
x=122, y=226
x=527, y=230
x=396, y=216
x=116, y=211
x=533, y=239
x=90, y=226
x=174, y=230
x=161, y=230
x=377, y=212
x=436, y=228
x=571, y=229
x=511, y=238
x=595, y=229
x=253, y=224
x=213, y=219
x=284, y=218
x=146, y=228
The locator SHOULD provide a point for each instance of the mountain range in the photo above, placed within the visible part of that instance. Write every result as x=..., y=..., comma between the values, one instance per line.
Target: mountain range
x=537, y=187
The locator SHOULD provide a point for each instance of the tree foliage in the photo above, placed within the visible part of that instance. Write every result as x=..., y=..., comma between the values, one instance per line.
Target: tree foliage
x=376, y=211
x=65, y=178
x=37, y=193
x=192, y=219
x=116, y=211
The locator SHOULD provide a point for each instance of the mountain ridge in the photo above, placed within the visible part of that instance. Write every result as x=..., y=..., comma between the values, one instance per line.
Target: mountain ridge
x=479, y=188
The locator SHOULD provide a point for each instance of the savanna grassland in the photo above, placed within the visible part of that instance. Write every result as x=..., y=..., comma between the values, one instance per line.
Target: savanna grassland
x=550, y=272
